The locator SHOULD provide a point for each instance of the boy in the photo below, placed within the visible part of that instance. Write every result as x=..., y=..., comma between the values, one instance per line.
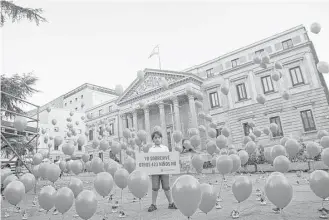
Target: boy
x=164, y=178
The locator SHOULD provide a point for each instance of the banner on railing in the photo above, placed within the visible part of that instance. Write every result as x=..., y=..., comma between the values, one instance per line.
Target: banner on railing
x=158, y=163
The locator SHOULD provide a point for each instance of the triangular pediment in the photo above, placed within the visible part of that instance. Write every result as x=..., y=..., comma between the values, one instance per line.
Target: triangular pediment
x=150, y=82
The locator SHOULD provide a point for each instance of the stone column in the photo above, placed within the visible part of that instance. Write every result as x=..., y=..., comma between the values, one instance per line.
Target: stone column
x=124, y=121
x=147, y=123
x=120, y=126
x=176, y=114
x=191, y=102
x=130, y=120
x=135, y=120
x=163, y=123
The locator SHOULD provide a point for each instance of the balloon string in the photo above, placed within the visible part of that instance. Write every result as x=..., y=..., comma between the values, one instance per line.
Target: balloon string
x=221, y=184
x=140, y=209
x=104, y=206
x=121, y=199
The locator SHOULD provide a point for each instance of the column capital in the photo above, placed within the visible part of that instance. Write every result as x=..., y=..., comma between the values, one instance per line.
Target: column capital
x=190, y=97
x=174, y=99
x=146, y=109
x=160, y=105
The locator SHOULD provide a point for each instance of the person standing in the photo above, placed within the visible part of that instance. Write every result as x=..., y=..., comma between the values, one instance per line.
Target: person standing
x=164, y=178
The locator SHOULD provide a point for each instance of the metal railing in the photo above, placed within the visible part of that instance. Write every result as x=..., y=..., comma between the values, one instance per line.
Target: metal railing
x=7, y=126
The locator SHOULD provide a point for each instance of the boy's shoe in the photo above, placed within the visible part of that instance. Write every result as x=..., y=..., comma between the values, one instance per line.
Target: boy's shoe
x=152, y=208
x=122, y=214
x=218, y=206
x=172, y=206
x=276, y=210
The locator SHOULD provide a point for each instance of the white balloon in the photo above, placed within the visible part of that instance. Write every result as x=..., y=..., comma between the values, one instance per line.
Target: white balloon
x=119, y=89
x=323, y=67
x=278, y=65
x=315, y=28
x=140, y=74
x=164, y=83
x=265, y=57
x=257, y=60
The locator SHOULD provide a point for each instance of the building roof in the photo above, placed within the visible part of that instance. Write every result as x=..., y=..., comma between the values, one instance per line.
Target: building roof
x=245, y=48
x=93, y=87
x=72, y=92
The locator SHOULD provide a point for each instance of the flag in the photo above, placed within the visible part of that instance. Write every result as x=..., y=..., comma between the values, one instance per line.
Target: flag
x=155, y=51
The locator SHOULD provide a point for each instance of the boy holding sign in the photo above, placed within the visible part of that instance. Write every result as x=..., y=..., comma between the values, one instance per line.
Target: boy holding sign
x=164, y=178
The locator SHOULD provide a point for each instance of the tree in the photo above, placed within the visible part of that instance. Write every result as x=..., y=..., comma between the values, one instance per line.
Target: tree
x=19, y=86
x=16, y=13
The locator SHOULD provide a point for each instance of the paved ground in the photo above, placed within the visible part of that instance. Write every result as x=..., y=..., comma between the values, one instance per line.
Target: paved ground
x=303, y=206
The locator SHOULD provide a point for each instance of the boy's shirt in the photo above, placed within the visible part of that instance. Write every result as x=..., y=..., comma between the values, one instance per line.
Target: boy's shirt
x=157, y=149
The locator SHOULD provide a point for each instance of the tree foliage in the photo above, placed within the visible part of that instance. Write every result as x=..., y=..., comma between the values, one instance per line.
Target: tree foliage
x=16, y=13
x=20, y=86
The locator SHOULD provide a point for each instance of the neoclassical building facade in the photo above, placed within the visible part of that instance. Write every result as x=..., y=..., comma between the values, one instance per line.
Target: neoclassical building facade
x=146, y=103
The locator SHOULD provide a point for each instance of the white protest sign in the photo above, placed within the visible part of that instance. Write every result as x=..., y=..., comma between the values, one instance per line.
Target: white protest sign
x=158, y=163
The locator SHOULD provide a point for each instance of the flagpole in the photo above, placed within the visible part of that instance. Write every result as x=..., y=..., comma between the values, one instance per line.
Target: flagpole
x=159, y=57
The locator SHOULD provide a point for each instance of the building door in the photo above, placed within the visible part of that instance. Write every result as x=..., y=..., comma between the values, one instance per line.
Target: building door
x=169, y=135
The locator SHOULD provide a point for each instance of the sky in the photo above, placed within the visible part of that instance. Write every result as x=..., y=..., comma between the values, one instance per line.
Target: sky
x=107, y=42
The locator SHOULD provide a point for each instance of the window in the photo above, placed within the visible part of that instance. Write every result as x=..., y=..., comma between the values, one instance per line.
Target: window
x=79, y=147
x=234, y=62
x=56, y=147
x=218, y=131
x=277, y=121
x=91, y=133
x=71, y=102
x=101, y=131
x=81, y=96
x=111, y=129
x=100, y=111
x=214, y=101
x=296, y=76
x=210, y=73
x=306, y=37
x=308, y=120
x=100, y=154
x=259, y=52
x=56, y=129
x=267, y=84
x=242, y=93
x=247, y=129
x=110, y=108
x=287, y=44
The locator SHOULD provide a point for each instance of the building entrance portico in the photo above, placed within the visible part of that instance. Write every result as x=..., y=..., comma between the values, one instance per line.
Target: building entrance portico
x=148, y=105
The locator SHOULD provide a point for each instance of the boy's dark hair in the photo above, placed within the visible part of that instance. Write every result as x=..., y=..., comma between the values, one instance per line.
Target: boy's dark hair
x=156, y=132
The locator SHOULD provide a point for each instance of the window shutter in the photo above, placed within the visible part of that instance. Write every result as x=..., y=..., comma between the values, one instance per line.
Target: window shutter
x=202, y=74
x=228, y=64
x=268, y=49
x=218, y=68
x=296, y=40
x=251, y=56
x=278, y=46
x=242, y=59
